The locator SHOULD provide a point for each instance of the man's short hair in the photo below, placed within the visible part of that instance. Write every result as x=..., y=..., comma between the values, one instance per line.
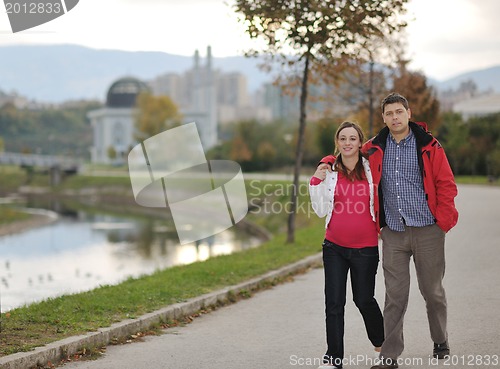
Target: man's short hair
x=393, y=98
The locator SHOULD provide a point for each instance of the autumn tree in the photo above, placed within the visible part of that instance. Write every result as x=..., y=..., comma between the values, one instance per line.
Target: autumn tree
x=363, y=86
x=154, y=115
x=312, y=36
x=363, y=79
x=257, y=146
x=239, y=150
x=422, y=98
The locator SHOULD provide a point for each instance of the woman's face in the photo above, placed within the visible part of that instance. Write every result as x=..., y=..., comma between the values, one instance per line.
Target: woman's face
x=348, y=142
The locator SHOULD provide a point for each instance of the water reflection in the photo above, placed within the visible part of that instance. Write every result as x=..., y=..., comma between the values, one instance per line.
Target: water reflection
x=82, y=251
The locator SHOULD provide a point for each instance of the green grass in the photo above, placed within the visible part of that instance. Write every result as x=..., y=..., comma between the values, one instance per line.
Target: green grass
x=12, y=178
x=37, y=324
x=10, y=215
x=25, y=328
x=480, y=180
x=78, y=182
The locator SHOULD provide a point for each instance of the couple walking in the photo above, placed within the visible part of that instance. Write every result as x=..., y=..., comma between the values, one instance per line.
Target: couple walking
x=398, y=184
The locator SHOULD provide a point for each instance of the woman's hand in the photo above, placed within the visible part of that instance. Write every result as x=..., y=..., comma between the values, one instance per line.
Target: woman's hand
x=321, y=171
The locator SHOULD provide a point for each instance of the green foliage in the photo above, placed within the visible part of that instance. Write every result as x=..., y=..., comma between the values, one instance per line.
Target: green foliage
x=472, y=147
x=270, y=146
x=325, y=132
x=256, y=146
x=52, y=131
x=111, y=152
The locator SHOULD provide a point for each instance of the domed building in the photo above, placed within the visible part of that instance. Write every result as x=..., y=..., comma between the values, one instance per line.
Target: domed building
x=123, y=92
x=113, y=125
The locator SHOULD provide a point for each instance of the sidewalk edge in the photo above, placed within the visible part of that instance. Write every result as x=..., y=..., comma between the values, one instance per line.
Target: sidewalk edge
x=56, y=351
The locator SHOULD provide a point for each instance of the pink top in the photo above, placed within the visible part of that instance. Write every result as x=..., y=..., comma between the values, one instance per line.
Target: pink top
x=351, y=224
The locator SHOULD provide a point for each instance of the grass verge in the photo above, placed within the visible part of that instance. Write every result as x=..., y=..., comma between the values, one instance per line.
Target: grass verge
x=38, y=324
x=25, y=328
x=11, y=215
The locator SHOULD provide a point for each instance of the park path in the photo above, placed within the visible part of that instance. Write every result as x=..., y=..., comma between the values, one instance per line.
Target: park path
x=283, y=327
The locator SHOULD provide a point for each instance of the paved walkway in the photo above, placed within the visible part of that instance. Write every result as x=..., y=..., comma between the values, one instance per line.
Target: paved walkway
x=284, y=327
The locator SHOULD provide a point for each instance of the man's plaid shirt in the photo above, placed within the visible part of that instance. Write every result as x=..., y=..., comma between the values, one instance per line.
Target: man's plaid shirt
x=402, y=186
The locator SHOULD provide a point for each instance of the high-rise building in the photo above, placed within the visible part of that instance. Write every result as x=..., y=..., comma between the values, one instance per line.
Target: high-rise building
x=210, y=97
x=195, y=94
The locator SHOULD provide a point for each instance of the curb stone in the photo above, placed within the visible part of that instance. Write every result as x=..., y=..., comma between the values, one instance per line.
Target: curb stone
x=56, y=351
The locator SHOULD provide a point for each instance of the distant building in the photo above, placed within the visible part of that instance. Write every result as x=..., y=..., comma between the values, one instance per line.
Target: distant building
x=210, y=97
x=323, y=100
x=13, y=98
x=113, y=125
x=478, y=106
x=195, y=94
x=281, y=106
x=203, y=95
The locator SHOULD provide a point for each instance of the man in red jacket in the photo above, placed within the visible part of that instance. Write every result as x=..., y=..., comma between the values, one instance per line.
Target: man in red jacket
x=414, y=208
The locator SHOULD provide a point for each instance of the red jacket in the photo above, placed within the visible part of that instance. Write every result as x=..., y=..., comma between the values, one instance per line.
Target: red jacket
x=438, y=179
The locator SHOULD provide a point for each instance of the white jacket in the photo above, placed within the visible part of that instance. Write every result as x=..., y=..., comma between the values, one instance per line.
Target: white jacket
x=322, y=195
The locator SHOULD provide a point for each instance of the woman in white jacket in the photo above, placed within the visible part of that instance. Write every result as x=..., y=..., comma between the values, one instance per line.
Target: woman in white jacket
x=343, y=191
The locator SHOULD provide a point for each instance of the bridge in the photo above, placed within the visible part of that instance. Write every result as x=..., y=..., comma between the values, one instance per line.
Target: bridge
x=56, y=165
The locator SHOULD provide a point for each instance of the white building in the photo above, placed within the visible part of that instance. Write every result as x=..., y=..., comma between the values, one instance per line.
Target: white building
x=478, y=106
x=113, y=125
x=202, y=94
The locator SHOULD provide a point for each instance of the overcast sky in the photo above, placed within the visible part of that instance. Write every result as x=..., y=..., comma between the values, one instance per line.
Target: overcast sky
x=446, y=38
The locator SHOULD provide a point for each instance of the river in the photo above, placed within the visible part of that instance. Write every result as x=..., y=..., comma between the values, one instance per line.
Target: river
x=83, y=250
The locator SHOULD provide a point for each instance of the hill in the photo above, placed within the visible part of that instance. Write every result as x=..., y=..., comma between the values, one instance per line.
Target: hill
x=484, y=78
x=56, y=73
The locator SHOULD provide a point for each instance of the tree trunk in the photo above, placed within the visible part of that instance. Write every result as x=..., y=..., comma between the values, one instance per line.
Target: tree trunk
x=370, y=98
x=298, y=154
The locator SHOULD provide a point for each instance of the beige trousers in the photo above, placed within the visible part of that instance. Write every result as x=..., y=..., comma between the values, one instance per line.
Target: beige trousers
x=426, y=245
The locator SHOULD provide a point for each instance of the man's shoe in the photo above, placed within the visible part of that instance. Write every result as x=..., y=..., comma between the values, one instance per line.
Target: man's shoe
x=441, y=350
x=386, y=364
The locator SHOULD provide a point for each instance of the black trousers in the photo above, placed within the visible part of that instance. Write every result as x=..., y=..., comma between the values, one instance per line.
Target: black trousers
x=363, y=264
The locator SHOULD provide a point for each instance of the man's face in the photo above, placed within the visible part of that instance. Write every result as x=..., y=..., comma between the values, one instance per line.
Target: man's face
x=396, y=118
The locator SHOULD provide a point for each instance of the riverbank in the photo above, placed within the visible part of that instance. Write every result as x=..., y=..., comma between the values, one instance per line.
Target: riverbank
x=38, y=324
x=37, y=218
